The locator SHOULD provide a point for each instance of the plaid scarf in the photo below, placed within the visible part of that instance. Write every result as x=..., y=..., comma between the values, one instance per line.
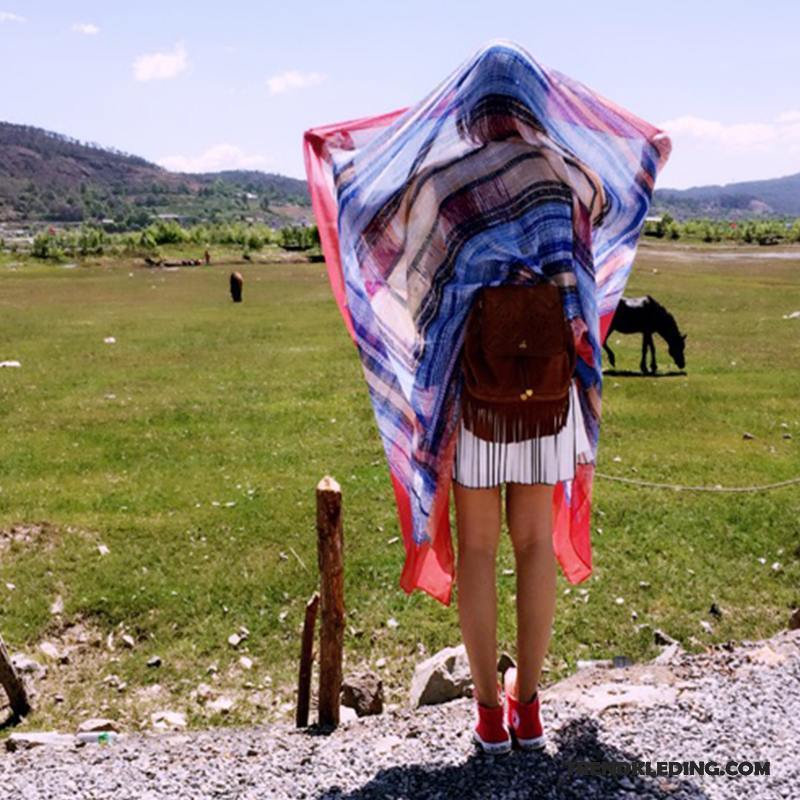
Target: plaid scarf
x=507, y=172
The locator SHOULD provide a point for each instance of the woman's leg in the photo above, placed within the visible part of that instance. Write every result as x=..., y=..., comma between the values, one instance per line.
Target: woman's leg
x=529, y=514
x=478, y=516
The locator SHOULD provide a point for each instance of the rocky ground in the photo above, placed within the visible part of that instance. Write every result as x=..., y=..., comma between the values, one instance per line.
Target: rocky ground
x=737, y=703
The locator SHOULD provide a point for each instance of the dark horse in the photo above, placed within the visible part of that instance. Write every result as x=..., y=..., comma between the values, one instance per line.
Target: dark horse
x=647, y=316
x=237, y=281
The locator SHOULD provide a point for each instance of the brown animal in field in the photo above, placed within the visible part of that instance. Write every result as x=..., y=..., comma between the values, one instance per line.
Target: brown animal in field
x=237, y=281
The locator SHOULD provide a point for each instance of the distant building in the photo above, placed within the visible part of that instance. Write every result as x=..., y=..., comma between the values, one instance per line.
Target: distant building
x=654, y=220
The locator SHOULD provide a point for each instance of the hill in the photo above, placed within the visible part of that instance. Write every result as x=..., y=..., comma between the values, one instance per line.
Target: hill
x=778, y=197
x=48, y=176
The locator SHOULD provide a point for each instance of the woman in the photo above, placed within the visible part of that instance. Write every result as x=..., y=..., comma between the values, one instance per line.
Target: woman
x=508, y=134
x=507, y=173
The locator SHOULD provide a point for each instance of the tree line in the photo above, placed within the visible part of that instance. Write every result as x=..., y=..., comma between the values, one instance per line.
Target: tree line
x=764, y=232
x=91, y=240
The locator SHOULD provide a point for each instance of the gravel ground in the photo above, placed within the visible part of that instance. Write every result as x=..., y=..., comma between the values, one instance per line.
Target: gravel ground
x=734, y=703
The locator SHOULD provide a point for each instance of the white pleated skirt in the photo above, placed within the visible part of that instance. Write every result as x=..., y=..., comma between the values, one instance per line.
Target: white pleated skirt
x=479, y=464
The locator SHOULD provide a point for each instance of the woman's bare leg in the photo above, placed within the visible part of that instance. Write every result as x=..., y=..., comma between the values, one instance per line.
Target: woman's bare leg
x=478, y=516
x=529, y=516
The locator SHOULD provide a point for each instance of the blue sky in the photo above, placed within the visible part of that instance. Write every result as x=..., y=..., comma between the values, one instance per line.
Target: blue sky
x=211, y=85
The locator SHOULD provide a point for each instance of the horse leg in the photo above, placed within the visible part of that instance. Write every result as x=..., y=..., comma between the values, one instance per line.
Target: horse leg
x=611, y=358
x=643, y=362
x=653, y=366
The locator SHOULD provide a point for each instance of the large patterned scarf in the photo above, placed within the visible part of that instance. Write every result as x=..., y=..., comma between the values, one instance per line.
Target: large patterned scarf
x=507, y=168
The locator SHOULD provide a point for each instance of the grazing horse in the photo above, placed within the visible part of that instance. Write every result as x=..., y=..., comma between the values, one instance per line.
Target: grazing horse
x=647, y=316
x=237, y=281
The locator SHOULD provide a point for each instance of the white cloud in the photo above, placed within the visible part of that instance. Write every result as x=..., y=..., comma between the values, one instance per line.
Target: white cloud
x=291, y=79
x=8, y=16
x=216, y=158
x=86, y=28
x=738, y=137
x=161, y=66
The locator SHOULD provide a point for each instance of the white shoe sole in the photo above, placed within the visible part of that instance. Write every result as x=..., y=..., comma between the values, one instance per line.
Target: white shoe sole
x=532, y=744
x=494, y=748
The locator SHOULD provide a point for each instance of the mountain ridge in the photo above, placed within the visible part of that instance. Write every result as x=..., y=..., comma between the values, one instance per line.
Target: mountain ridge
x=47, y=176
x=769, y=197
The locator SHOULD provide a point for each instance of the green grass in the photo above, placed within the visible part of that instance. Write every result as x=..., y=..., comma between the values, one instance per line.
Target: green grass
x=203, y=402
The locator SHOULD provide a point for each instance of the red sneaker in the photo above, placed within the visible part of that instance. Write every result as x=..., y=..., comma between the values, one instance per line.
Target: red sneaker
x=490, y=732
x=524, y=719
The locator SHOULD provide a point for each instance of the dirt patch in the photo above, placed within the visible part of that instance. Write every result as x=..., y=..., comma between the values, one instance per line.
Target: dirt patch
x=723, y=254
x=41, y=536
x=77, y=670
x=29, y=534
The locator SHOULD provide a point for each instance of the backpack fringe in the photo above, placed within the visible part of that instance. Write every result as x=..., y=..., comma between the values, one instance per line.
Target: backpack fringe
x=514, y=422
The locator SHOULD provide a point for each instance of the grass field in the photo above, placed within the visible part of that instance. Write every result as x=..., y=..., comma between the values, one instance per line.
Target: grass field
x=191, y=449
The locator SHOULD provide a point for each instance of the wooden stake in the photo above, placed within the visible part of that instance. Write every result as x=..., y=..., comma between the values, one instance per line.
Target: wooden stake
x=331, y=570
x=306, y=661
x=12, y=683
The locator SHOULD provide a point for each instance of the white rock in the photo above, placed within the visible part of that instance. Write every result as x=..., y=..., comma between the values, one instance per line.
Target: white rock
x=168, y=720
x=766, y=655
x=392, y=623
x=57, y=606
x=605, y=695
x=28, y=666
x=222, y=705
x=384, y=745
x=103, y=549
x=26, y=741
x=98, y=724
x=442, y=677
x=204, y=692
x=246, y=663
x=50, y=650
x=110, y=340
x=128, y=640
x=671, y=654
x=593, y=663
x=10, y=364
x=234, y=640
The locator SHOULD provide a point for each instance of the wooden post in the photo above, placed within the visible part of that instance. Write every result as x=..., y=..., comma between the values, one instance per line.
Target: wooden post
x=306, y=661
x=331, y=571
x=12, y=683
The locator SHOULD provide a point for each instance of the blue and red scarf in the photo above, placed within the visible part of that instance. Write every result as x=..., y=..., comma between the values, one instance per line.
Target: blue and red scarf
x=505, y=164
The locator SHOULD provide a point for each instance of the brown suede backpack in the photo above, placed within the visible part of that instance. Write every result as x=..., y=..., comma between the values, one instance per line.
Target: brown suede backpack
x=517, y=362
